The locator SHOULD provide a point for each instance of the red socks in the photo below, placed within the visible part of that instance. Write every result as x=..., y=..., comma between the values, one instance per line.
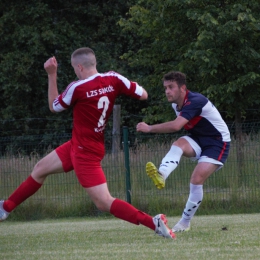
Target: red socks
x=127, y=212
x=119, y=208
x=24, y=191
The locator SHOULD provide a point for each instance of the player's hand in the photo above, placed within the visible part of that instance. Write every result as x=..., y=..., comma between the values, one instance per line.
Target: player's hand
x=143, y=127
x=51, y=66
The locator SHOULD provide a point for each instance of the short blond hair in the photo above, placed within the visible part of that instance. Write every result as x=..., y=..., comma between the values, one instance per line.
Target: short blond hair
x=84, y=56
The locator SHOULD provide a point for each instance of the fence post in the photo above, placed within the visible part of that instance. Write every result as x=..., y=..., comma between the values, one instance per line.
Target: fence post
x=127, y=167
x=116, y=129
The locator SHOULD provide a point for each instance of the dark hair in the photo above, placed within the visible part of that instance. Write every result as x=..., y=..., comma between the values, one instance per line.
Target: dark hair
x=177, y=76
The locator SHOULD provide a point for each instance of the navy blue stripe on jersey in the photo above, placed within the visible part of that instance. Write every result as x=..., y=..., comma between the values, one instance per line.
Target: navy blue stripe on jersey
x=204, y=118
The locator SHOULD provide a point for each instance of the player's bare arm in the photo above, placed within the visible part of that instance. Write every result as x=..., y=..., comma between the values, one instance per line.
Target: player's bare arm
x=167, y=127
x=51, y=66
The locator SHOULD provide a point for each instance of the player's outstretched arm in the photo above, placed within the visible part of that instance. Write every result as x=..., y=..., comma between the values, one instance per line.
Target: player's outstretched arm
x=167, y=127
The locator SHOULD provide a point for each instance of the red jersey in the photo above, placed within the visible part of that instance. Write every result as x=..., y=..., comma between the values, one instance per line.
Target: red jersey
x=92, y=100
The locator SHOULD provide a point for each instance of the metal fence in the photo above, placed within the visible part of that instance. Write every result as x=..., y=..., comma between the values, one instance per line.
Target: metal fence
x=234, y=188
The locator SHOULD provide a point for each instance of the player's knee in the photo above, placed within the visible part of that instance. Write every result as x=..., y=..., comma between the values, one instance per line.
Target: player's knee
x=197, y=180
x=39, y=170
x=102, y=206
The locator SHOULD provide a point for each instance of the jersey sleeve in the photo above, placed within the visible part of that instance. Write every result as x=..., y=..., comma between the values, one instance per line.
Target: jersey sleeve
x=127, y=87
x=63, y=101
x=191, y=111
x=193, y=107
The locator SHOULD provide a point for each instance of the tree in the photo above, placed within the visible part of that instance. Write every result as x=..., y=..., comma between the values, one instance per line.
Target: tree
x=215, y=44
x=31, y=32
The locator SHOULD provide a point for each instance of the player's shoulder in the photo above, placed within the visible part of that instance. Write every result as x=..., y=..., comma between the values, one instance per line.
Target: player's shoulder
x=115, y=77
x=74, y=82
x=72, y=85
x=197, y=97
x=110, y=73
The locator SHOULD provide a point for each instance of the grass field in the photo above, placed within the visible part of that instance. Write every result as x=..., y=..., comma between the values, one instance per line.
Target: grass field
x=211, y=237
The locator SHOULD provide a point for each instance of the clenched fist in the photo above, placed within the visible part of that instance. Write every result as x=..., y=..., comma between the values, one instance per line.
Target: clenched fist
x=51, y=65
x=143, y=127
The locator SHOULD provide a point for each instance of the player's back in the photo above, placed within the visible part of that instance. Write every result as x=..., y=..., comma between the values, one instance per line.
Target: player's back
x=93, y=100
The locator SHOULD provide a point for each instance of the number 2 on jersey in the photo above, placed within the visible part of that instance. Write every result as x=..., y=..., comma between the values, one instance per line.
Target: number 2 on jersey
x=103, y=103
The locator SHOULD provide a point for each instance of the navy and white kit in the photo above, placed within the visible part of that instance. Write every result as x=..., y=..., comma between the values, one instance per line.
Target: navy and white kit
x=209, y=135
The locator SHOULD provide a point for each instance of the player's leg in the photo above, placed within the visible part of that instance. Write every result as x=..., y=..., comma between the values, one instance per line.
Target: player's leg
x=100, y=195
x=92, y=178
x=169, y=162
x=50, y=164
x=213, y=156
x=201, y=172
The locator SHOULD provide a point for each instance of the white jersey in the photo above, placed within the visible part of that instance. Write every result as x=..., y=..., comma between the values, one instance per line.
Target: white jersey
x=204, y=118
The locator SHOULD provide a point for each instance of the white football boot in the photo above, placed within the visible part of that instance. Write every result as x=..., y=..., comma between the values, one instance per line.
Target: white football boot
x=161, y=227
x=3, y=214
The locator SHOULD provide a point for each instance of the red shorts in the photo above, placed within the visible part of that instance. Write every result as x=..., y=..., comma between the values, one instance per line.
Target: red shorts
x=88, y=172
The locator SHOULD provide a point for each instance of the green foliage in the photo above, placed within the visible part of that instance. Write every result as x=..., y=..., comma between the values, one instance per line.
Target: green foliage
x=215, y=44
x=32, y=32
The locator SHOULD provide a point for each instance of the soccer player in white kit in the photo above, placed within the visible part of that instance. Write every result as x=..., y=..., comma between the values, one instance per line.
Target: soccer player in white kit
x=208, y=141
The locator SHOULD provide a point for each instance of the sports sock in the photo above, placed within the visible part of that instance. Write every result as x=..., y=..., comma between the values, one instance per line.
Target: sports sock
x=24, y=191
x=194, y=200
x=125, y=211
x=170, y=161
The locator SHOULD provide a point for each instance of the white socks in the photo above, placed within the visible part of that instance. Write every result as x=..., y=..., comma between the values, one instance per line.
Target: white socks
x=194, y=200
x=168, y=164
x=170, y=161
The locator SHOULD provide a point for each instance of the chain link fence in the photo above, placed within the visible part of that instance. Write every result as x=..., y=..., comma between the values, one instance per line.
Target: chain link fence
x=233, y=189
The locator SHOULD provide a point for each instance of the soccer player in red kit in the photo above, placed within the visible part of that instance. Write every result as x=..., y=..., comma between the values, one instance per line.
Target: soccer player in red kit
x=92, y=98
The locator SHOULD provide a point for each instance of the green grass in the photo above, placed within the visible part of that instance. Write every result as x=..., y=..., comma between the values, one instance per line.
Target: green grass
x=110, y=238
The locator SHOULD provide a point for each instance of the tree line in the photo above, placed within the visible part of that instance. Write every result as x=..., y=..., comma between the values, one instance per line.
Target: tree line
x=216, y=43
